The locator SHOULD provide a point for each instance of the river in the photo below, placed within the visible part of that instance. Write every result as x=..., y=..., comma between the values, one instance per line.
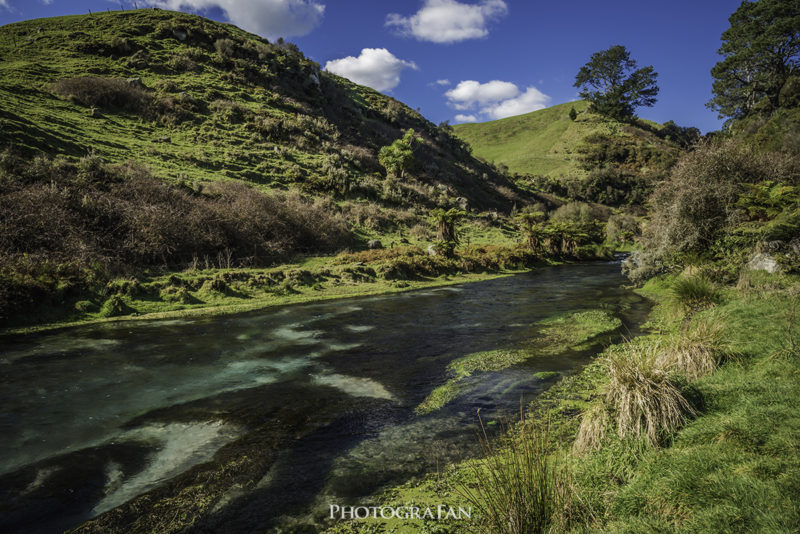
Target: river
x=304, y=405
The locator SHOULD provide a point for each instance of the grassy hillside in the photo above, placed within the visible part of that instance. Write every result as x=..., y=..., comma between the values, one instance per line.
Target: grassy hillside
x=197, y=100
x=547, y=142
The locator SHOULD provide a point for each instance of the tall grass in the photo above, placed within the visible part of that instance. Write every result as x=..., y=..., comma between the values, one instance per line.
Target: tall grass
x=694, y=292
x=521, y=487
x=698, y=350
x=642, y=396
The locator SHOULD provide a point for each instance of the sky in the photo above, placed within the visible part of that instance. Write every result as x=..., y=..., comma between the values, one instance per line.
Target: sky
x=474, y=60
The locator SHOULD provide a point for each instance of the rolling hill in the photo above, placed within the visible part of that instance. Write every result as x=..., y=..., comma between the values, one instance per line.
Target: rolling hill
x=548, y=143
x=196, y=100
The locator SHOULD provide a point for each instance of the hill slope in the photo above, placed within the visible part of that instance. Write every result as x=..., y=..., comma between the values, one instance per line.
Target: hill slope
x=198, y=100
x=548, y=143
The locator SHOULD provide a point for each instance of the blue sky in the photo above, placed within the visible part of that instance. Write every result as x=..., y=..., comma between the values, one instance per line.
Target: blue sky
x=491, y=58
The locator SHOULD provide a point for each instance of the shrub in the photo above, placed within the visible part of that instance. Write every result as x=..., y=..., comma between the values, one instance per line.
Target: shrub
x=641, y=395
x=622, y=228
x=573, y=212
x=99, y=92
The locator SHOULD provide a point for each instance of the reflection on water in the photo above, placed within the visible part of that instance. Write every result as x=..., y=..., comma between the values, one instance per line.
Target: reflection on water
x=135, y=404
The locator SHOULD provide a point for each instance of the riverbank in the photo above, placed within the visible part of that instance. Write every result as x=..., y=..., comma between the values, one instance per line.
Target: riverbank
x=199, y=292
x=730, y=466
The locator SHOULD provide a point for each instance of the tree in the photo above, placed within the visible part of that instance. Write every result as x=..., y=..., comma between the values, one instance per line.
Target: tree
x=398, y=157
x=614, y=86
x=761, y=52
x=573, y=114
x=445, y=221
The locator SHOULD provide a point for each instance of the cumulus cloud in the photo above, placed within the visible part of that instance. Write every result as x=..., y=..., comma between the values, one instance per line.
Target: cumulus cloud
x=531, y=100
x=375, y=67
x=469, y=92
x=494, y=100
x=268, y=18
x=466, y=118
x=448, y=21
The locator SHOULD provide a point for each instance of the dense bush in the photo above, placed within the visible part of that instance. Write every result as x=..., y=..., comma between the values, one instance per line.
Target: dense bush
x=693, y=206
x=64, y=224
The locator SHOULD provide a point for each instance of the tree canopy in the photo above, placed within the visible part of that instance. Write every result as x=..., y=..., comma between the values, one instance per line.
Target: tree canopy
x=614, y=86
x=761, y=55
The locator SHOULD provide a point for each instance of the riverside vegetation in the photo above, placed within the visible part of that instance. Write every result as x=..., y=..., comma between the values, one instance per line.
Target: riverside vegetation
x=144, y=144
x=690, y=428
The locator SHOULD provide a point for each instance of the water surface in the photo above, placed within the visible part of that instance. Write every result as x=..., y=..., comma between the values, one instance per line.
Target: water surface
x=91, y=417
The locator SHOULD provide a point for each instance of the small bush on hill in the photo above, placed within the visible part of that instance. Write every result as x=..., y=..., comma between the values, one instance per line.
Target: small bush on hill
x=96, y=92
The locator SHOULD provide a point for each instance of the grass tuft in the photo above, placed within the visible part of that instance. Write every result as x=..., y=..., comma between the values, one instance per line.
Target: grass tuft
x=593, y=429
x=520, y=487
x=644, y=399
x=694, y=292
x=698, y=351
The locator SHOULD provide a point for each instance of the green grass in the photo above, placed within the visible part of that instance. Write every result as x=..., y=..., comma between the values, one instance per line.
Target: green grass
x=731, y=468
x=541, y=142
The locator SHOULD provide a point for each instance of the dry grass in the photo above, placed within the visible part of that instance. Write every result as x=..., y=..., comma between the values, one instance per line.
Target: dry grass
x=641, y=395
x=593, y=429
x=697, y=351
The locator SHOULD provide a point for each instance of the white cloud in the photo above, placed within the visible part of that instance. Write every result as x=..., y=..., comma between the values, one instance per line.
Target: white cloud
x=494, y=100
x=4, y=3
x=268, y=18
x=469, y=92
x=375, y=67
x=443, y=82
x=531, y=100
x=449, y=21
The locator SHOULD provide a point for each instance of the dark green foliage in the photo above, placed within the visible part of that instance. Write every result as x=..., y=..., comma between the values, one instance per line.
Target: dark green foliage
x=398, y=157
x=761, y=54
x=694, y=292
x=622, y=228
x=573, y=114
x=446, y=221
x=613, y=84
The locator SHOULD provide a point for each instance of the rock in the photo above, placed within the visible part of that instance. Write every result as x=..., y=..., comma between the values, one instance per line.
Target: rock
x=763, y=262
x=795, y=245
x=374, y=244
x=462, y=203
x=135, y=82
x=432, y=251
x=179, y=35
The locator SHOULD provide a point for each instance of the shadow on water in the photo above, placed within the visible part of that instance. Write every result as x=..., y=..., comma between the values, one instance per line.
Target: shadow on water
x=274, y=414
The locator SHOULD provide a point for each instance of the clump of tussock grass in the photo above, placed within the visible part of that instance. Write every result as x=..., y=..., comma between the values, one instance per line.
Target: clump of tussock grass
x=593, y=430
x=641, y=395
x=521, y=487
x=694, y=292
x=698, y=350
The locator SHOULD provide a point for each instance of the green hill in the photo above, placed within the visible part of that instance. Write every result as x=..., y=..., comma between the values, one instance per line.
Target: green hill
x=548, y=143
x=196, y=100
